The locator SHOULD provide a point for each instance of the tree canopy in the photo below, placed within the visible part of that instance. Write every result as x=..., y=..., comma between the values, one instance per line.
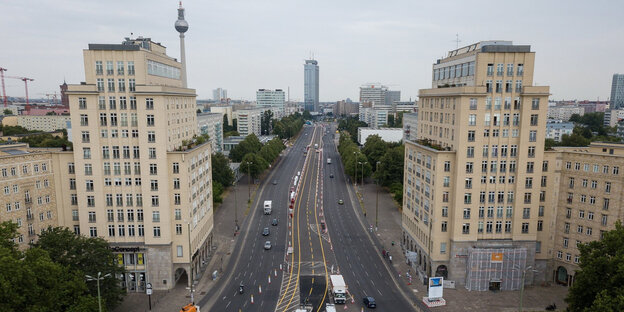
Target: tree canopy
x=351, y=125
x=598, y=285
x=253, y=164
x=250, y=144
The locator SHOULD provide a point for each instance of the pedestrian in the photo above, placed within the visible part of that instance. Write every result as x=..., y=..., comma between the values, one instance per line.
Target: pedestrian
x=390, y=257
x=383, y=253
x=399, y=274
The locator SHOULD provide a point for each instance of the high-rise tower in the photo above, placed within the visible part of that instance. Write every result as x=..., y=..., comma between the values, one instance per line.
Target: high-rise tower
x=311, y=85
x=181, y=25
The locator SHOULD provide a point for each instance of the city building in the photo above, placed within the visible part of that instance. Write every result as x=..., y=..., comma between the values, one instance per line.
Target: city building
x=219, y=95
x=46, y=123
x=617, y=91
x=613, y=116
x=586, y=191
x=223, y=110
x=248, y=121
x=344, y=108
x=471, y=208
x=311, y=85
x=593, y=106
x=272, y=100
x=410, y=126
x=373, y=94
x=564, y=112
x=230, y=142
x=392, y=135
x=140, y=182
x=212, y=125
x=392, y=97
x=27, y=183
x=555, y=129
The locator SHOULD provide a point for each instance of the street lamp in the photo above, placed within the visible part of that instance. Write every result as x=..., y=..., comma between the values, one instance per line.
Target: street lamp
x=377, y=199
x=524, y=271
x=190, y=260
x=98, y=279
x=249, y=174
x=355, y=168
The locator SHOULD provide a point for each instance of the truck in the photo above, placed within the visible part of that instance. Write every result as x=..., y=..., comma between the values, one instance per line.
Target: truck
x=315, y=146
x=328, y=161
x=267, y=207
x=338, y=288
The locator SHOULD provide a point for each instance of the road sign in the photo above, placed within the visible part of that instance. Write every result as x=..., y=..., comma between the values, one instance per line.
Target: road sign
x=148, y=289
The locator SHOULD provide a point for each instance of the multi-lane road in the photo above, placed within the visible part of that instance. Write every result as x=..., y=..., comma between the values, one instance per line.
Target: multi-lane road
x=314, y=238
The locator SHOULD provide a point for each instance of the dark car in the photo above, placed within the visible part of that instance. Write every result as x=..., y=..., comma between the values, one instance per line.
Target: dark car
x=369, y=302
x=265, y=232
x=331, y=175
x=274, y=222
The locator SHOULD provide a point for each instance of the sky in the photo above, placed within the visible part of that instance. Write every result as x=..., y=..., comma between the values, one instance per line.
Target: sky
x=245, y=45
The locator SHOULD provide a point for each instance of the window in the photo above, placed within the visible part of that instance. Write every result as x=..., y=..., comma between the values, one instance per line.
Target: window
x=604, y=220
x=176, y=168
x=473, y=104
x=152, y=153
x=540, y=225
x=178, y=228
x=86, y=153
x=471, y=136
x=526, y=213
x=141, y=230
x=150, y=120
x=180, y=251
x=155, y=216
x=131, y=85
x=467, y=198
x=470, y=152
x=111, y=84
x=466, y=228
x=121, y=85
x=93, y=231
x=92, y=217
x=530, y=166
x=153, y=169
x=534, y=120
x=605, y=204
x=589, y=231
x=156, y=231
x=525, y=227
x=472, y=119
x=155, y=201
x=151, y=136
x=131, y=68
x=149, y=103
x=100, y=84
x=466, y=213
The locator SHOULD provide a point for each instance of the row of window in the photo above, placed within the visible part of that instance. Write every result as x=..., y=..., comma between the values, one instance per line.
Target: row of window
x=99, y=68
x=104, y=120
x=595, y=168
x=594, y=184
x=466, y=227
x=497, y=121
x=175, y=167
x=454, y=71
x=5, y=172
x=110, y=85
x=15, y=187
x=568, y=257
x=112, y=103
x=590, y=216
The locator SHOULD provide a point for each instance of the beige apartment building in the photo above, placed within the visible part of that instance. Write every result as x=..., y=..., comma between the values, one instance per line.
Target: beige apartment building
x=474, y=209
x=27, y=183
x=46, y=123
x=134, y=179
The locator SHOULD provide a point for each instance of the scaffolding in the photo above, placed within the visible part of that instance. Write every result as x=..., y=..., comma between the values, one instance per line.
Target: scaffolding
x=493, y=268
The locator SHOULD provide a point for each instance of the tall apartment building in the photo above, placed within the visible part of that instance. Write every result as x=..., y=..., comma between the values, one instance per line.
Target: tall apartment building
x=617, y=91
x=472, y=196
x=47, y=123
x=212, y=125
x=565, y=111
x=272, y=100
x=345, y=108
x=248, y=121
x=373, y=94
x=586, y=192
x=219, y=94
x=311, y=85
x=137, y=182
x=27, y=183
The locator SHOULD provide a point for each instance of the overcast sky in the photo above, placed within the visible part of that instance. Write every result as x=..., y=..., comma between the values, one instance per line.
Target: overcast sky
x=243, y=45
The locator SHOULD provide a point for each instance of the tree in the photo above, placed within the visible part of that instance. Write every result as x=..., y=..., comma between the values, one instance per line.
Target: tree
x=253, y=164
x=8, y=112
x=351, y=125
x=374, y=148
x=391, y=166
x=391, y=121
x=250, y=144
x=598, y=284
x=307, y=115
x=265, y=122
x=85, y=256
x=231, y=133
x=198, y=111
x=221, y=171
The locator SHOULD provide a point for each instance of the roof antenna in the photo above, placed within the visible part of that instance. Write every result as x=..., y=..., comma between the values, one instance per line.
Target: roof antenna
x=457, y=41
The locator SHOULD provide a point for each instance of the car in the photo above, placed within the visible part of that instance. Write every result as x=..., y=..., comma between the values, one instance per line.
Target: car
x=274, y=222
x=267, y=245
x=266, y=232
x=274, y=182
x=331, y=175
x=369, y=302
x=340, y=202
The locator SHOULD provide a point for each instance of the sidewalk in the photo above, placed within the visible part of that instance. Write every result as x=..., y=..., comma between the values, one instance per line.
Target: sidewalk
x=536, y=298
x=224, y=239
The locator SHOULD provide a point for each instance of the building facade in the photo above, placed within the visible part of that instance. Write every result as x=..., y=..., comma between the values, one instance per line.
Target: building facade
x=410, y=126
x=564, y=112
x=249, y=121
x=471, y=184
x=612, y=117
x=219, y=95
x=555, y=129
x=212, y=125
x=393, y=135
x=133, y=124
x=46, y=123
x=344, y=108
x=311, y=85
x=617, y=91
x=272, y=100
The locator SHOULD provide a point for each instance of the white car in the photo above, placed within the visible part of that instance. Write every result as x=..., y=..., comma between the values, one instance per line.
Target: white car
x=267, y=245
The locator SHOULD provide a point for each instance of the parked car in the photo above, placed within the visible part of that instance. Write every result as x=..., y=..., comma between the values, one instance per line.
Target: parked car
x=369, y=302
x=267, y=245
x=266, y=232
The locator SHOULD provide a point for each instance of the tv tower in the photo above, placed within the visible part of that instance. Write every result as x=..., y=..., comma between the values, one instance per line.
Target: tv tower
x=181, y=26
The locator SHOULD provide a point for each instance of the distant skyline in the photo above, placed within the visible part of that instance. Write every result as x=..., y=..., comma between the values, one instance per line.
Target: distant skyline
x=246, y=45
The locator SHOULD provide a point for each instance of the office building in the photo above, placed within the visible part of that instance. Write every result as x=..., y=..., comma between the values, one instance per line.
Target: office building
x=272, y=100
x=219, y=95
x=555, y=129
x=613, y=116
x=472, y=192
x=311, y=85
x=617, y=91
x=248, y=121
x=140, y=182
x=344, y=108
x=372, y=94
x=392, y=97
x=212, y=125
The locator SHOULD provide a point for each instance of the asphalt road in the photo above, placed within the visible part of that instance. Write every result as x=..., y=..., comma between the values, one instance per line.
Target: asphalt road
x=303, y=277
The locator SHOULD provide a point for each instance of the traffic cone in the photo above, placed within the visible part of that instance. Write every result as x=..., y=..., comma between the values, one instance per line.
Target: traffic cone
x=259, y=289
x=251, y=299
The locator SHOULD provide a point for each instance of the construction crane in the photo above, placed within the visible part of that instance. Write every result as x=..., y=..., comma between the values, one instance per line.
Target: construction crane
x=25, y=80
x=2, y=70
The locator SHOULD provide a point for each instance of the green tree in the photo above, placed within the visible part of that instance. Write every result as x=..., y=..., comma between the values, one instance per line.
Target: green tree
x=598, y=284
x=265, y=122
x=574, y=139
x=221, y=171
x=250, y=144
x=217, y=191
x=8, y=112
x=390, y=121
x=230, y=133
x=85, y=256
x=351, y=125
x=307, y=115
x=374, y=148
x=254, y=164
x=391, y=166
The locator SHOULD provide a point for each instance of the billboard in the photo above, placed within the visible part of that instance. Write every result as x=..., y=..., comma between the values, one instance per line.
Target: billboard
x=436, y=287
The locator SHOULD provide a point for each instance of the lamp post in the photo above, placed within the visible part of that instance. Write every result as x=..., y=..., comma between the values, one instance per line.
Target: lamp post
x=190, y=260
x=524, y=271
x=98, y=279
x=249, y=174
x=355, y=168
x=377, y=198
